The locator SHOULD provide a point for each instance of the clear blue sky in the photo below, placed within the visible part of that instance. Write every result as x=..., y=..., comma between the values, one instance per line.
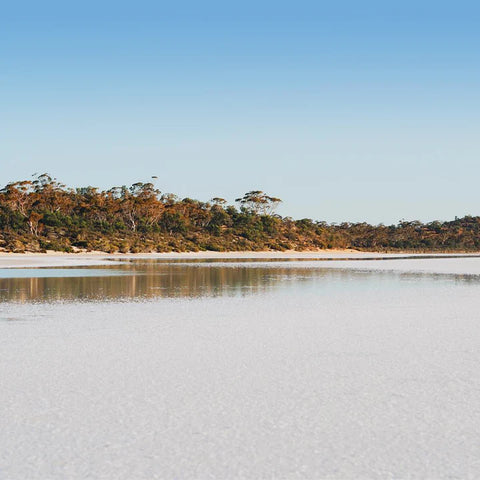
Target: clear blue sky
x=346, y=110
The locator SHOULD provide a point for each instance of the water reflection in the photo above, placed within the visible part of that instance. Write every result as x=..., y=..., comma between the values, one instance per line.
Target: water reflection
x=147, y=280
x=150, y=279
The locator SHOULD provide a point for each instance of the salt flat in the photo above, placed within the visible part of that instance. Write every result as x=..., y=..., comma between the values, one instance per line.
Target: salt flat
x=56, y=259
x=445, y=265
x=354, y=373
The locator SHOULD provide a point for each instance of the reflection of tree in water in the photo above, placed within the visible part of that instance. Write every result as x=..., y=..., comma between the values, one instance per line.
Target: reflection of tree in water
x=150, y=279
x=146, y=281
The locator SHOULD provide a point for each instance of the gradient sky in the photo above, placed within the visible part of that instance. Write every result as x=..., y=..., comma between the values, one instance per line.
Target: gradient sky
x=346, y=110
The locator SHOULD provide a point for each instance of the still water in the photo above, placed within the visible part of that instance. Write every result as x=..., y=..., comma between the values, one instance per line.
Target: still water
x=150, y=279
x=241, y=369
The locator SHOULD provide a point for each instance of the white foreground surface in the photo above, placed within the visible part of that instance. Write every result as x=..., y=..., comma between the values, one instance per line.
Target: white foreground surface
x=369, y=377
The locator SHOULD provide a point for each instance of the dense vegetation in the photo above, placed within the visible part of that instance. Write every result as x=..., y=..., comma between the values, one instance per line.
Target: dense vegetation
x=42, y=214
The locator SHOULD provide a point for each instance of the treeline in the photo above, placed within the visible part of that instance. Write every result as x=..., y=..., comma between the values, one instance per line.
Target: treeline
x=42, y=214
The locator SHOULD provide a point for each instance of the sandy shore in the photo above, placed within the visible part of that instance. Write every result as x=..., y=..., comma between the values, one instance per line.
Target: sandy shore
x=58, y=259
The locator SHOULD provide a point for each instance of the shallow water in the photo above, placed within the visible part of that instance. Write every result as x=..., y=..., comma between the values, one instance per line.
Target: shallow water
x=138, y=280
x=279, y=369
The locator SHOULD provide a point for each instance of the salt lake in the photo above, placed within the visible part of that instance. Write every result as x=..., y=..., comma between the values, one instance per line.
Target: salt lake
x=230, y=368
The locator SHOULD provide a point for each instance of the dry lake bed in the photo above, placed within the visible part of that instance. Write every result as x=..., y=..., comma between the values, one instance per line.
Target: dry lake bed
x=293, y=366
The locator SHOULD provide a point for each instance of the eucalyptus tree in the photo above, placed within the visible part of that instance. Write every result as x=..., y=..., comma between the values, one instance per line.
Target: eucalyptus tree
x=258, y=202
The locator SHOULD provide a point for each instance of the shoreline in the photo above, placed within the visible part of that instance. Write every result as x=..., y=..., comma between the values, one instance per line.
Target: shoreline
x=82, y=259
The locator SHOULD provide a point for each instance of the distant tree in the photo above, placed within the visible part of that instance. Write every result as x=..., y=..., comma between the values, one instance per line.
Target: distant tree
x=139, y=202
x=18, y=196
x=218, y=201
x=258, y=202
x=52, y=196
x=34, y=223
